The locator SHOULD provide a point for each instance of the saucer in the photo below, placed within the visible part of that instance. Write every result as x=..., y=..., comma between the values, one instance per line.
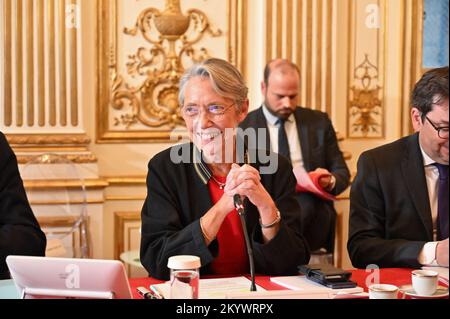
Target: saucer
x=440, y=292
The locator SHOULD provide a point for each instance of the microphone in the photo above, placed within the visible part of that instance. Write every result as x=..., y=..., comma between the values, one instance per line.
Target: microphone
x=240, y=209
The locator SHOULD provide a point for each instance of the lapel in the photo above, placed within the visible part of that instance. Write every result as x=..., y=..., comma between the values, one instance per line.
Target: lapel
x=414, y=175
x=261, y=122
x=303, y=133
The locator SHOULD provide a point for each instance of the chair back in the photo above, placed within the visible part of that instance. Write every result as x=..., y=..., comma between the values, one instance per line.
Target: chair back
x=58, y=197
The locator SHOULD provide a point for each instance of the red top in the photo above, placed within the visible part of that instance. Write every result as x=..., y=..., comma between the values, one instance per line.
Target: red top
x=232, y=258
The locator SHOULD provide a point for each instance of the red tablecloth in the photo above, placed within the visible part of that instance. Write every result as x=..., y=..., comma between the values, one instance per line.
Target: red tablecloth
x=394, y=276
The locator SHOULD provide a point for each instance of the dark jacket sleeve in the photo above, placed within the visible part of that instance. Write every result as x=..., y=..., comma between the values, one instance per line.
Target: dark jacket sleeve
x=368, y=241
x=288, y=248
x=335, y=160
x=163, y=234
x=20, y=233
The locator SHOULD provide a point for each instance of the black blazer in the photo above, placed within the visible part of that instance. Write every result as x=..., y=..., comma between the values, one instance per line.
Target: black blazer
x=318, y=142
x=20, y=233
x=178, y=195
x=390, y=215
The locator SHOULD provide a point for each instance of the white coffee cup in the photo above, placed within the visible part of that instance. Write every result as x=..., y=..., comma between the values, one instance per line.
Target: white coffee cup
x=424, y=282
x=383, y=291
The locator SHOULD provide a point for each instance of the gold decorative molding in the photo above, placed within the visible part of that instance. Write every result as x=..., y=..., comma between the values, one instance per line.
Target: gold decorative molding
x=75, y=158
x=72, y=147
x=47, y=139
x=126, y=180
x=124, y=198
x=120, y=220
x=366, y=76
x=64, y=202
x=65, y=183
x=365, y=106
x=101, y=182
x=143, y=105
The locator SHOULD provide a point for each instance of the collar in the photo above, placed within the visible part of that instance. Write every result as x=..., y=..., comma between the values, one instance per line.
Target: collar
x=202, y=169
x=272, y=119
x=427, y=161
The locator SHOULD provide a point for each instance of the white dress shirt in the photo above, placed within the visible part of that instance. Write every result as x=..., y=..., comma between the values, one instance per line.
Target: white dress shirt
x=290, y=127
x=428, y=254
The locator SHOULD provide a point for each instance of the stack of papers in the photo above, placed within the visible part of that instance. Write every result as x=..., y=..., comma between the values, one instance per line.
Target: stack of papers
x=239, y=287
x=306, y=286
x=214, y=288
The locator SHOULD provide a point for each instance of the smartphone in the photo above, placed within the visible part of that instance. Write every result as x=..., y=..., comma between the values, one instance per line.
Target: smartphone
x=328, y=276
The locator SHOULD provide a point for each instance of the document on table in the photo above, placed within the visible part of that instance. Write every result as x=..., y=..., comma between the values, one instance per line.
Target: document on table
x=216, y=288
x=300, y=283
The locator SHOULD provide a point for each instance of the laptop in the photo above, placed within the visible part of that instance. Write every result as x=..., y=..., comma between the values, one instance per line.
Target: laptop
x=68, y=278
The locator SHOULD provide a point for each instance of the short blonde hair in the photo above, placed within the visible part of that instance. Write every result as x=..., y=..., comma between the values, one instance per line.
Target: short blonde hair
x=225, y=79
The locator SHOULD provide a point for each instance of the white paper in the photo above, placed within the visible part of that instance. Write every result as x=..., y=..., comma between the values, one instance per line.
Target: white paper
x=216, y=288
x=302, y=284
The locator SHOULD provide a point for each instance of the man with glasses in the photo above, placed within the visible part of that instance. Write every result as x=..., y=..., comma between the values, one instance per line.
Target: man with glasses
x=399, y=199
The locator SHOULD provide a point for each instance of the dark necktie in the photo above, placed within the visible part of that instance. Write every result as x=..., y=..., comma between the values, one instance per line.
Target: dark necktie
x=283, y=144
x=442, y=221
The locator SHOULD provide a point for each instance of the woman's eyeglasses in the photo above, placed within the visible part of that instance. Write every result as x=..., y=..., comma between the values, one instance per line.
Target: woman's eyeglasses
x=212, y=110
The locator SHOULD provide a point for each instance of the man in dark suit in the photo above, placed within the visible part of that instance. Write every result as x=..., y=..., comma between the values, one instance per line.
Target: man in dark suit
x=399, y=199
x=20, y=233
x=307, y=139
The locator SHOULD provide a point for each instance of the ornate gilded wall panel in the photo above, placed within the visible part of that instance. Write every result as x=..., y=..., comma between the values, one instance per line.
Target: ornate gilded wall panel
x=145, y=46
x=366, y=83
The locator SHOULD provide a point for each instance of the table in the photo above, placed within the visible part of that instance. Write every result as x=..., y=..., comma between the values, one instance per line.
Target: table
x=394, y=276
x=8, y=289
x=131, y=257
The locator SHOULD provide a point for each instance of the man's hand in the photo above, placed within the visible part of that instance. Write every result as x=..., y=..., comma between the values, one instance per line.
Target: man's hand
x=326, y=181
x=442, y=253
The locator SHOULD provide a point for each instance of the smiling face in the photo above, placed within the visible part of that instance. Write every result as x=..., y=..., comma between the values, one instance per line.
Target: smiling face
x=210, y=132
x=433, y=145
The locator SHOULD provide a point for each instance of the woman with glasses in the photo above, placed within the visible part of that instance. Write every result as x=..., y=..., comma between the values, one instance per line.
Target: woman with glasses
x=189, y=209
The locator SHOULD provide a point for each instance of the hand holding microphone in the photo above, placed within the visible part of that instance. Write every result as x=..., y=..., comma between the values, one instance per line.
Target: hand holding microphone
x=245, y=181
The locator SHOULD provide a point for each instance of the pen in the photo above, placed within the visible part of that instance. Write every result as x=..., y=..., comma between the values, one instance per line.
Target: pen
x=156, y=292
x=145, y=293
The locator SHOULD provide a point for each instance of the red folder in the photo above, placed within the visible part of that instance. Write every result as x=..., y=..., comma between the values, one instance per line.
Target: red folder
x=309, y=182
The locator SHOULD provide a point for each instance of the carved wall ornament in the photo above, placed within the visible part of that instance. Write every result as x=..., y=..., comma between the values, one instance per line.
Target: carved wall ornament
x=140, y=63
x=154, y=102
x=366, y=105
